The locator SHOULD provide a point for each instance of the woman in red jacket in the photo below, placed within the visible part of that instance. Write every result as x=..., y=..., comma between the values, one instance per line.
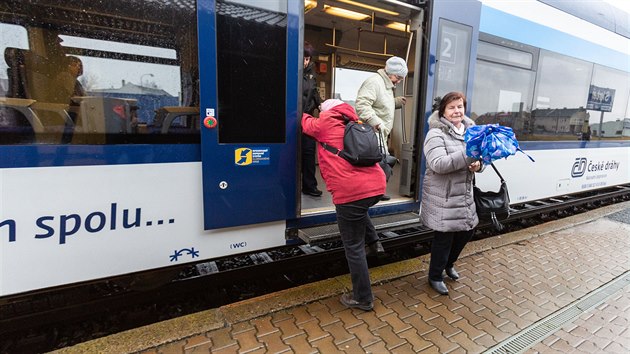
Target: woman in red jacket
x=354, y=190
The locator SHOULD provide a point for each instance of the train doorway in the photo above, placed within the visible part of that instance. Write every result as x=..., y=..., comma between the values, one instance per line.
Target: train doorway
x=354, y=39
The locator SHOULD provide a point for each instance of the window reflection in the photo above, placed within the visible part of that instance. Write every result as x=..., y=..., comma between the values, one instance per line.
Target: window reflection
x=104, y=73
x=548, y=101
x=616, y=123
x=560, y=98
x=503, y=95
x=504, y=55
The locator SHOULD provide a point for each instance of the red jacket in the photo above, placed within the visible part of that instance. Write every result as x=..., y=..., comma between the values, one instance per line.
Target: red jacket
x=344, y=181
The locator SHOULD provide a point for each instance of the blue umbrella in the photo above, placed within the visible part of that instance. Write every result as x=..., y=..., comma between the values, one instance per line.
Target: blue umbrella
x=491, y=142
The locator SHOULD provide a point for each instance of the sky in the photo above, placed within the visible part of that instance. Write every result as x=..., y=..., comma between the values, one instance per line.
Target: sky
x=621, y=4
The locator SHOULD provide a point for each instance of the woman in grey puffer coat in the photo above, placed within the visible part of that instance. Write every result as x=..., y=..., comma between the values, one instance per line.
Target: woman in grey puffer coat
x=448, y=206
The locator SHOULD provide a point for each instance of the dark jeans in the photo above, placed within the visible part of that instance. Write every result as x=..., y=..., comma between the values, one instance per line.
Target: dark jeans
x=445, y=249
x=356, y=230
x=309, y=182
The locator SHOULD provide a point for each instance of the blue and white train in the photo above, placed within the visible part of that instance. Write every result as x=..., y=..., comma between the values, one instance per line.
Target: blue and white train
x=175, y=137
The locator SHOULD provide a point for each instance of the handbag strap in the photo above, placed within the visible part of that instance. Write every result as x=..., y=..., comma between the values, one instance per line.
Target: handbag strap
x=495, y=170
x=381, y=142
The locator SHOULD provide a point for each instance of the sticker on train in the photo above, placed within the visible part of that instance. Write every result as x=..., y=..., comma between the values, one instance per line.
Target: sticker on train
x=249, y=156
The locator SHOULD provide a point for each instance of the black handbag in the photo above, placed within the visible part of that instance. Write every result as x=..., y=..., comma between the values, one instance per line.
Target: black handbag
x=388, y=161
x=493, y=206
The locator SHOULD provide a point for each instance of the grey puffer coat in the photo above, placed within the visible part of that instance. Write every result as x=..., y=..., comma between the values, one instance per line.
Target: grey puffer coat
x=447, y=194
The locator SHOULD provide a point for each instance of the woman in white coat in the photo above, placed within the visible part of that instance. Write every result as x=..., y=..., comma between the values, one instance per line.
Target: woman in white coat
x=376, y=102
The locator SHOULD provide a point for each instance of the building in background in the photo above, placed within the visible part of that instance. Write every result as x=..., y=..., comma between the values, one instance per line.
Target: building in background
x=149, y=99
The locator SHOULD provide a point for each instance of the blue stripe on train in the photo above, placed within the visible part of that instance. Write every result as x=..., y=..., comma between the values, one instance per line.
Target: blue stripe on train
x=16, y=156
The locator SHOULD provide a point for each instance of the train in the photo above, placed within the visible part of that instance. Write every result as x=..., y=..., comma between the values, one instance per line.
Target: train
x=176, y=139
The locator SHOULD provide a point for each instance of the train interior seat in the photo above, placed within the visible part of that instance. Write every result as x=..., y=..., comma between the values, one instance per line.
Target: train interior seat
x=165, y=116
x=31, y=89
x=16, y=111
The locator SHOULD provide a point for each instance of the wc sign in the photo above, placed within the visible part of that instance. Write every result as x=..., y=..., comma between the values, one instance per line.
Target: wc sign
x=600, y=99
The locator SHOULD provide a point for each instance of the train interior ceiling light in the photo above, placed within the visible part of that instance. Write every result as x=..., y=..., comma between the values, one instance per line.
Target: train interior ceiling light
x=341, y=12
x=369, y=7
x=398, y=26
x=309, y=5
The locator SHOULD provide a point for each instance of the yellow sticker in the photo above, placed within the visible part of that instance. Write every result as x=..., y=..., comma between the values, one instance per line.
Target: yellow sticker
x=243, y=156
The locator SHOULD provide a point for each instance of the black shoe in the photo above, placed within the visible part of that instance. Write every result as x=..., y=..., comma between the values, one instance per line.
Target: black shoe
x=348, y=301
x=374, y=249
x=314, y=193
x=439, y=286
x=452, y=273
x=385, y=197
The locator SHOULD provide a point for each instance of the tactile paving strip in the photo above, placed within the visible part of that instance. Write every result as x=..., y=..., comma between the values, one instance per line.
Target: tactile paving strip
x=542, y=329
x=621, y=216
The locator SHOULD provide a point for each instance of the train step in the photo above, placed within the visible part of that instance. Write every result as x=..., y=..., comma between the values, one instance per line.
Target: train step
x=330, y=232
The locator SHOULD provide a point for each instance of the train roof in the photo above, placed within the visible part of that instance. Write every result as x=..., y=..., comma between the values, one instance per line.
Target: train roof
x=599, y=13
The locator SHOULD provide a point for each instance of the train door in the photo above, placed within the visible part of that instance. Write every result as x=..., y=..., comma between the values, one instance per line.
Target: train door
x=452, y=48
x=248, y=56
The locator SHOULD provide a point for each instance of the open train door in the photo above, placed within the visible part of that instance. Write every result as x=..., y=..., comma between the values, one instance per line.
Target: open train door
x=248, y=63
x=453, y=37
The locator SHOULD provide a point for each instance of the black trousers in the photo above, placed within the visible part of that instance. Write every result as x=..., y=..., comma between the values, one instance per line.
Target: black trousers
x=309, y=182
x=357, y=230
x=445, y=250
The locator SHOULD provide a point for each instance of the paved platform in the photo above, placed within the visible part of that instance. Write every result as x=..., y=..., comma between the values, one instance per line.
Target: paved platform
x=559, y=287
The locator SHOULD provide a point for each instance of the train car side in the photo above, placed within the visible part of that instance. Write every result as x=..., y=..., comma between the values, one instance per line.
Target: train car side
x=170, y=147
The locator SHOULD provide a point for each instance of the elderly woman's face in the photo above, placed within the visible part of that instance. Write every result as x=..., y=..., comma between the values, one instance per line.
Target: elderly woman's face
x=395, y=79
x=454, y=112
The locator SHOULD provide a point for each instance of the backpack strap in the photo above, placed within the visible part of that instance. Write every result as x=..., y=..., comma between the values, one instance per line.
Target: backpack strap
x=330, y=148
x=334, y=150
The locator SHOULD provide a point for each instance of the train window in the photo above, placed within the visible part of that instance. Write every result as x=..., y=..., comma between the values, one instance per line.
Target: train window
x=563, y=81
x=560, y=97
x=501, y=54
x=15, y=37
x=251, y=52
x=148, y=85
x=503, y=95
x=613, y=79
x=347, y=82
x=453, y=57
x=12, y=36
x=101, y=73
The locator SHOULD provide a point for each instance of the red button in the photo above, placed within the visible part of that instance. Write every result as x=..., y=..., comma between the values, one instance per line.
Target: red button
x=210, y=122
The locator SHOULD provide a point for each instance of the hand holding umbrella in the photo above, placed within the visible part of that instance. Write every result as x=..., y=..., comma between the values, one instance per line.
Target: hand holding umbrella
x=491, y=142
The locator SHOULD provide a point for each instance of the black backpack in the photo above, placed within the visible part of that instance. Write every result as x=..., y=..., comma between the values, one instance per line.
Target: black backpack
x=360, y=144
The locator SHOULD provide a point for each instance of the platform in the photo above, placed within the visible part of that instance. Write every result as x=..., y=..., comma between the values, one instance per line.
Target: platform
x=558, y=287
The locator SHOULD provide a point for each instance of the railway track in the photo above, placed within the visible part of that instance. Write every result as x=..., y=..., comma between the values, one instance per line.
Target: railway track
x=58, y=318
